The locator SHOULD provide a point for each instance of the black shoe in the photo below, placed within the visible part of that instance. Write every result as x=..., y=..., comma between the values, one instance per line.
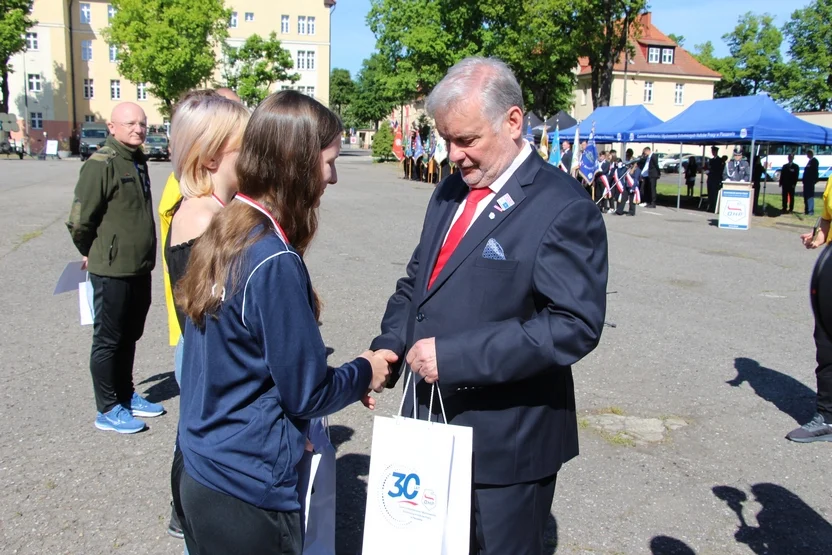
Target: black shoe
x=174, y=527
x=651, y=206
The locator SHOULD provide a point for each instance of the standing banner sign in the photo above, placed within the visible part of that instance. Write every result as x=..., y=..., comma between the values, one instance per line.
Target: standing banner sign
x=419, y=489
x=735, y=205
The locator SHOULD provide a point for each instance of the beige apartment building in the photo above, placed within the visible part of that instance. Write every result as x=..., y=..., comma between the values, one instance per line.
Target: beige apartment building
x=661, y=75
x=68, y=74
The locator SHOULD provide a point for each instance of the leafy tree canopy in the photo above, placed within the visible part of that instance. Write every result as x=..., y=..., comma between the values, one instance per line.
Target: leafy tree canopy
x=14, y=22
x=255, y=66
x=807, y=83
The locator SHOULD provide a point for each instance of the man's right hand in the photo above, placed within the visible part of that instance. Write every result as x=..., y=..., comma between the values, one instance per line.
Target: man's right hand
x=84, y=263
x=813, y=243
x=381, y=361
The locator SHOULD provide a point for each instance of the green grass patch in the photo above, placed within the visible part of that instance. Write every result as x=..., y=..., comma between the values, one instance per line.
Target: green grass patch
x=612, y=410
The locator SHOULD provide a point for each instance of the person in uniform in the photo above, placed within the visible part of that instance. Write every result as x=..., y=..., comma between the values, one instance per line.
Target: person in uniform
x=737, y=169
x=626, y=184
x=603, y=191
x=788, y=182
x=112, y=226
x=715, y=169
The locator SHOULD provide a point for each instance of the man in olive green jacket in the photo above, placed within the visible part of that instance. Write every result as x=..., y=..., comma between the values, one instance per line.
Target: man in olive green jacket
x=112, y=225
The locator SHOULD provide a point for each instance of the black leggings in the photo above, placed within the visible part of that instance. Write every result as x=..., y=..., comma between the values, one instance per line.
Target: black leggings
x=218, y=524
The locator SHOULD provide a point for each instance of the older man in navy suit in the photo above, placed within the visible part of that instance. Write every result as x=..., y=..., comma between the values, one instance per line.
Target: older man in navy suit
x=504, y=292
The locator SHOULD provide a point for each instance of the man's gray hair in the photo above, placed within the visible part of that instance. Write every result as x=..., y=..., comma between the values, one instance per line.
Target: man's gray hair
x=491, y=78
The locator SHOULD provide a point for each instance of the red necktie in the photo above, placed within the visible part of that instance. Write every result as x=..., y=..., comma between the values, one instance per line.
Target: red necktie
x=458, y=230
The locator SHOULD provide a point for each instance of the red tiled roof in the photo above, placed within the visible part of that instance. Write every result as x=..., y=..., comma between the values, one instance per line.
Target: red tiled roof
x=684, y=64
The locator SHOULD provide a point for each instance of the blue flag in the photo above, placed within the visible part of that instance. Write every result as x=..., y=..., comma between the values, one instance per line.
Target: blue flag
x=554, y=148
x=589, y=159
x=418, y=151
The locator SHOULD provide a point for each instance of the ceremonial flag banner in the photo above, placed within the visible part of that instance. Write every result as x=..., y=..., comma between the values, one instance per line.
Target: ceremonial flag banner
x=418, y=151
x=398, y=149
x=419, y=488
x=529, y=134
x=554, y=153
x=544, y=143
x=576, y=153
x=589, y=160
x=440, y=152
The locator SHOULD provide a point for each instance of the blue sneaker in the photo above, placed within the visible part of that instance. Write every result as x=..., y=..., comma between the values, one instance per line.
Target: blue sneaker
x=139, y=406
x=119, y=420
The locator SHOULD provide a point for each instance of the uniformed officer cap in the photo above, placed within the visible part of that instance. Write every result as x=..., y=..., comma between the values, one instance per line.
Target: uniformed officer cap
x=737, y=150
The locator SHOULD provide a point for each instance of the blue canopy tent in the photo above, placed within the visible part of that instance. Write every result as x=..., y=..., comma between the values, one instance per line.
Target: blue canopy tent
x=613, y=123
x=740, y=120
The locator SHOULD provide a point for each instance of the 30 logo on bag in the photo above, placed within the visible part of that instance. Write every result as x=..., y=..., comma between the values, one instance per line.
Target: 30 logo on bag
x=404, y=499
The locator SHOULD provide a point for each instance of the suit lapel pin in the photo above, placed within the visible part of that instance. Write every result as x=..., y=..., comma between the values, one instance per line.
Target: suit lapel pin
x=491, y=215
x=505, y=202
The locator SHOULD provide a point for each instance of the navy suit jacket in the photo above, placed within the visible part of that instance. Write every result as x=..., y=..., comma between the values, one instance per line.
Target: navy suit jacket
x=507, y=331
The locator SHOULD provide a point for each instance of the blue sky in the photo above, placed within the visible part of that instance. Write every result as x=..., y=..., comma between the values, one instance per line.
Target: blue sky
x=698, y=21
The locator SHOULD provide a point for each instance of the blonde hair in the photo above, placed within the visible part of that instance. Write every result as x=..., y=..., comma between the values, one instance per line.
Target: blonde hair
x=203, y=128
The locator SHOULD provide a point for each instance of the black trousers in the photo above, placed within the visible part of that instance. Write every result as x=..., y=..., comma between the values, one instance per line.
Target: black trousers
x=511, y=519
x=713, y=193
x=218, y=524
x=603, y=203
x=120, y=306
x=623, y=199
x=823, y=372
x=788, y=197
x=648, y=185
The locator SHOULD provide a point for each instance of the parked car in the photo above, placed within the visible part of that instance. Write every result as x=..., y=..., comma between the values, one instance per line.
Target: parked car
x=156, y=147
x=93, y=136
x=671, y=163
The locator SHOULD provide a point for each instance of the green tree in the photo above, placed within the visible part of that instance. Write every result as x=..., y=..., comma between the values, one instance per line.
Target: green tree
x=604, y=32
x=729, y=84
x=678, y=39
x=419, y=40
x=754, y=45
x=807, y=82
x=14, y=22
x=341, y=90
x=383, y=142
x=168, y=44
x=255, y=66
x=373, y=99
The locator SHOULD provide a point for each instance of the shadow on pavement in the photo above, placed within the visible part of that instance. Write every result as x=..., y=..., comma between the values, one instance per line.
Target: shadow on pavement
x=164, y=390
x=550, y=536
x=785, y=523
x=783, y=391
x=665, y=545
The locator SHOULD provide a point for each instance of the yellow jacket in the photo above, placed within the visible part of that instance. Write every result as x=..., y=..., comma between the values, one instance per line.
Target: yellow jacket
x=170, y=196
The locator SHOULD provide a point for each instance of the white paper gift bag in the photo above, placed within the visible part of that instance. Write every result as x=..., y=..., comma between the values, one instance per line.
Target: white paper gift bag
x=410, y=489
x=85, y=303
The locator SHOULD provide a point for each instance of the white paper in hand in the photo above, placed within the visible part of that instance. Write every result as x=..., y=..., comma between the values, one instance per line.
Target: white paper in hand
x=70, y=278
x=85, y=303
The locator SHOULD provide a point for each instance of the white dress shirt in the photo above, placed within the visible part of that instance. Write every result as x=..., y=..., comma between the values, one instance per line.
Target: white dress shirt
x=495, y=188
x=646, y=169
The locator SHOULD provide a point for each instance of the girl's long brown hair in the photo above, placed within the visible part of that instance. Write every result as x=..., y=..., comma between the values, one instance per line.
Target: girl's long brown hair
x=280, y=167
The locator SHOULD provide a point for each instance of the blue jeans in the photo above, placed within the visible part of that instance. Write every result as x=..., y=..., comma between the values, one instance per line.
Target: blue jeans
x=810, y=205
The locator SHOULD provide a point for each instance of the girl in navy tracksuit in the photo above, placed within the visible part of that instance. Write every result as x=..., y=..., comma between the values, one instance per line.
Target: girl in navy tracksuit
x=254, y=365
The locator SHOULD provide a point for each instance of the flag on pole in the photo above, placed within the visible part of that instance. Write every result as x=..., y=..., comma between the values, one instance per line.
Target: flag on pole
x=529, y=134
x=554, y=152
x=398, y=149
x=544, y=143
x=418, y=151
x=441, y=152
x=589, y=158
x=576, y=155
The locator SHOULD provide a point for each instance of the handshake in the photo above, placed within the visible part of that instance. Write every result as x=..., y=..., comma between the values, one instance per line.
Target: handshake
x=381, y=361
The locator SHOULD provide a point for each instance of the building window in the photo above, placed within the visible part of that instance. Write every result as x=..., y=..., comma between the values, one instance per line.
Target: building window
x=111, y=12
x=648, y=92
x=301, y=59
x=141, y=91
x=32, y=41
x=89, y=90
x=249, y=16
x=310, y=25
x=89, y=119
x=310, y=60
x=37, y=120
x=310, y=91
x=583, y=96
x=115, y=89
x=301, y=25
x=233, y=22
x=35, y=84
x=286, y=88
x=653, y=54
x=86, y=14
x=86, y=50
x=667, y=55
x=284, y=24
x=679, y=97
x=113, y=53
